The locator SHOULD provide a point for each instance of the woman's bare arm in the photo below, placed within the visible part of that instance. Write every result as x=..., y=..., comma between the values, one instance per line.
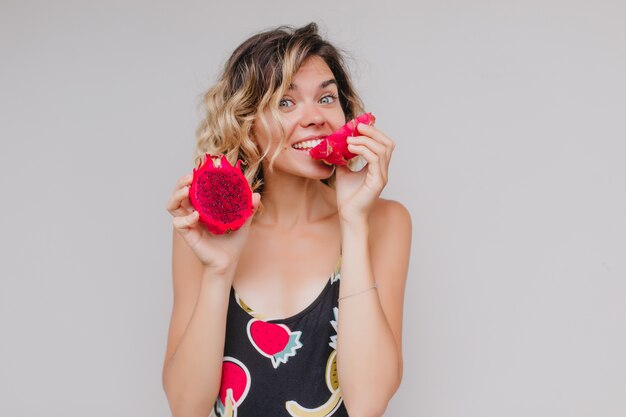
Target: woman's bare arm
x=369, y=337
x=203, y=267
x=195, y=347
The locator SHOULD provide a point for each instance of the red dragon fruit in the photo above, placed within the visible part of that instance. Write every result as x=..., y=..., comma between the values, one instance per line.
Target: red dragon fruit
x=334, y=148
x=235, y=377
x=221, y=195
x=274, y=341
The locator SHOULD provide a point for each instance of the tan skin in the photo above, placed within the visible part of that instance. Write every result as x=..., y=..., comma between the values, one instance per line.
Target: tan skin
x=281, y=259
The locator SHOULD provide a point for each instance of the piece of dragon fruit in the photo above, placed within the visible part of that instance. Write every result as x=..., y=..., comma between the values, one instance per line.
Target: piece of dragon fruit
x=333, y=149
x=274, y=341
x=221, y=195
x=236, y=378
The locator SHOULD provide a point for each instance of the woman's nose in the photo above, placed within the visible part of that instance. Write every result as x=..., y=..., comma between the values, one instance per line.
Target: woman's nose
x=311, y=116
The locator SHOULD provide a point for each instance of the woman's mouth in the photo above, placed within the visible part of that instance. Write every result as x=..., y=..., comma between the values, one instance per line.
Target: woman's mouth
x=306, y=145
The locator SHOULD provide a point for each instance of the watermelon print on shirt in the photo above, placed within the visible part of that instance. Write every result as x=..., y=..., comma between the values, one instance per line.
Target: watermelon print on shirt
x=234, y=388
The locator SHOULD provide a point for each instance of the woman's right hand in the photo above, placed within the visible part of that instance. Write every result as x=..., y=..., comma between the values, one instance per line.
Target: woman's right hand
x=219, y=253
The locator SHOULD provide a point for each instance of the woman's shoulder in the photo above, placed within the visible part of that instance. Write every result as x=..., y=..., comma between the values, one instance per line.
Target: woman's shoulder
x=387, y=216
x=390, y=229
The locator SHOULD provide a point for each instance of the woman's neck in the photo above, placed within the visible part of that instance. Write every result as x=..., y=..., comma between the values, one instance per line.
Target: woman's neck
x=289, y=201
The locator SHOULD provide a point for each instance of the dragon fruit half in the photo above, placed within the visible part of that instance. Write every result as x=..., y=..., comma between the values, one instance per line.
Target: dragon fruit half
x=221, y=195
x=333, y=149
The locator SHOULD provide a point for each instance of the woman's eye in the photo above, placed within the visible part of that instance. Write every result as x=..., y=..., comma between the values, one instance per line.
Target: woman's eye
x=285, y=102
x=328, y=99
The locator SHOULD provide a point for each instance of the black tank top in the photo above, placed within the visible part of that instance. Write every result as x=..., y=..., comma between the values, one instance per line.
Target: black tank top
x=282, y=367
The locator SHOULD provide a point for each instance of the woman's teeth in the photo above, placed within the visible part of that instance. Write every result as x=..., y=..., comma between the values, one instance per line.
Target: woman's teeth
x=307, y=144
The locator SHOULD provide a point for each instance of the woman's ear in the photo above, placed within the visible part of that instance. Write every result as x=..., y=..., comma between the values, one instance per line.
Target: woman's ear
x=252, y=134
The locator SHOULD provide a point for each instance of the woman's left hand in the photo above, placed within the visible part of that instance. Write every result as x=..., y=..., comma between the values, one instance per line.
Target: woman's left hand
x=357, y=191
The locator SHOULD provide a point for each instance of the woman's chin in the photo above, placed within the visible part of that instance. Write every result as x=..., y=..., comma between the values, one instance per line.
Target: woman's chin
x=323, y=171
x=316, y=169
x=317, y=172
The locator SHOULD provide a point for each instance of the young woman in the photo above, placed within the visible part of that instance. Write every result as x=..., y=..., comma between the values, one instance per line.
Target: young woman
x=299, y=312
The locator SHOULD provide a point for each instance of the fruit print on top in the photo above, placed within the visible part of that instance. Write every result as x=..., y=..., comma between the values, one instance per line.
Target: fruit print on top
x=336, y=274
x=274, y=341
x=249, y=310
x=332, y=382
x=313, y=365
x=234, y=388
x=334, y=323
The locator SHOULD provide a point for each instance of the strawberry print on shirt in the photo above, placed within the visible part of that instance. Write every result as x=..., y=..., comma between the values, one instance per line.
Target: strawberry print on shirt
x=274, y=341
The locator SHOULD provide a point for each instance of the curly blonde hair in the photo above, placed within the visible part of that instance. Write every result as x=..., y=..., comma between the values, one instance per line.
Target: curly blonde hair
x=253, y=80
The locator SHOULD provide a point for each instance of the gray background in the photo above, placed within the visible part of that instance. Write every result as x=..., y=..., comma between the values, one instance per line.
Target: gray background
x=510, y=123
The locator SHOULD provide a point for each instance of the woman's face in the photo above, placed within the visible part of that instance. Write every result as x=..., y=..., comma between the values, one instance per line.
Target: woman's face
x=309, y=111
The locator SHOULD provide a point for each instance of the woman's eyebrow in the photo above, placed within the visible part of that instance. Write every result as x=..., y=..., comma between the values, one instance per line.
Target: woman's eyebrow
x=328, y=82
x=294, y=87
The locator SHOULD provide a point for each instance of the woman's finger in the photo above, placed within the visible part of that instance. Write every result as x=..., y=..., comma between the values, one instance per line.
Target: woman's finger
x=376, y=134
x=380, y=137
x=184, y=180
x=183, y=223
x=372, y=159
x=178, y=200
x=376, y=147
x=185, y=203
x=379, y=149
x=256, y=199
